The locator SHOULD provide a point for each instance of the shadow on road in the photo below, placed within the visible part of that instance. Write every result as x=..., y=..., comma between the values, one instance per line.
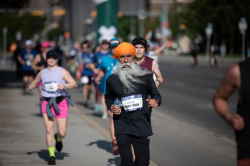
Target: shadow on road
x=102, y=144
x=44, y=154
x=38, y=114
x=105, y=145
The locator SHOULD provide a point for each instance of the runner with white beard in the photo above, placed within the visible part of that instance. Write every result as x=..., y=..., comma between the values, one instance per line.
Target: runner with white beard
x=131, y=85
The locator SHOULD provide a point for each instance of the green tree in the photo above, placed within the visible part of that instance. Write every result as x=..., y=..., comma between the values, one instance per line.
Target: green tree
x=27, y=24
x=223, y=14
x=54, y=34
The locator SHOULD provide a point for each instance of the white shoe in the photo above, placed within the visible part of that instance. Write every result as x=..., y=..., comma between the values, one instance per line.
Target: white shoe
x=105, y=116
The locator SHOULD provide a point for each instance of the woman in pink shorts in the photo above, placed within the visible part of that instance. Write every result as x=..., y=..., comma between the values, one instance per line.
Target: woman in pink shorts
x=54, y=106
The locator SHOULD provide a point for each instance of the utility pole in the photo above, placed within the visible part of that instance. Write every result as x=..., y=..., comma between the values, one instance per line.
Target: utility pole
x=3, y=62
x=132, y=22
x=141, y=16
x=164, y=23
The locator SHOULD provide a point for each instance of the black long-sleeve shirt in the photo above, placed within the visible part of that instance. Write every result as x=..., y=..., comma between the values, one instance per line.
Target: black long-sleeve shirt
x=132, y=122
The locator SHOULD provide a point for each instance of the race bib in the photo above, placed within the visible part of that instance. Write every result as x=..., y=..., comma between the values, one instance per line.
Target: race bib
x=51, y=86
x=132, y=103
x=28, y=63
x=85, y=80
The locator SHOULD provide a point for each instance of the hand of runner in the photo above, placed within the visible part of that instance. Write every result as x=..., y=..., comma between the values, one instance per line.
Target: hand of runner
x=238, y=122
x=152, y=102
x=31, y=87
x=115, y=110
x=61, y=86
x=97, y=80
x=96, y=71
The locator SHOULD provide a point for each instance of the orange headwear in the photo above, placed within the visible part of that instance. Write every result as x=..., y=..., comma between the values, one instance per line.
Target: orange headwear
x=124, y=48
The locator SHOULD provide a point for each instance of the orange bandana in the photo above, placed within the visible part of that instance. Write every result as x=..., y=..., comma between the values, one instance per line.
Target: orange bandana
x=124, y=48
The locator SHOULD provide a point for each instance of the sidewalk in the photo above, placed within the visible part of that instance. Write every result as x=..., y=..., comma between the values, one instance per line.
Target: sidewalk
x=172, y=56
x=22, y=133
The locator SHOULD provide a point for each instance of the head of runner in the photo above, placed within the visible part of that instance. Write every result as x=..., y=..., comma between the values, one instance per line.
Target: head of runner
x=29, y=44
x=113, y=43
x=52, y=58
x=104, y=45
x=140, y=47
x=85, y=47
x=45, y=46
x=127, y=71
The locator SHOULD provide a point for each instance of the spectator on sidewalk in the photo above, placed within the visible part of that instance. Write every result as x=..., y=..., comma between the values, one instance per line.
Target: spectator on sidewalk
x=223, y=50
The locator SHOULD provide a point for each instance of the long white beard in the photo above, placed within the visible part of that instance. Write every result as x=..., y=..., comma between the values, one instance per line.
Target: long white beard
x=130, y=74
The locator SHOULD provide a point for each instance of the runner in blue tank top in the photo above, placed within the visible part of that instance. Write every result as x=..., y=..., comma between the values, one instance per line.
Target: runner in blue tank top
x=26, y=58
x=97, y=61
x=108, y=63
x=86, y=59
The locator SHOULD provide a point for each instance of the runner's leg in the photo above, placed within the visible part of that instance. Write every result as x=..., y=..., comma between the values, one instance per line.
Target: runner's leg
x=25, y=81
x=49, y=124
x=61, y=127
x=112, y=134
x=104, y=107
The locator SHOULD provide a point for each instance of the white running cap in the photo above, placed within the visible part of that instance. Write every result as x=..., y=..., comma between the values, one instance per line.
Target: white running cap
x=28, y=42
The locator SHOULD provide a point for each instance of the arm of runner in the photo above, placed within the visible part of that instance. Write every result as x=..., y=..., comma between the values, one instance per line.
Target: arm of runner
x=230, y=83
x=109, y=97
x=99, y=76
x=157, y=72
x=155, y=100
x=159, y=50
x=34, y=83
x=91, y=66
x=34, y=64
x=20, y=60
x=70, y=82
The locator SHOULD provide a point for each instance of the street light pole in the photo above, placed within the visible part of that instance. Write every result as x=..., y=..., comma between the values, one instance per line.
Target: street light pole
x=132, y=22
x=4, y=45
x=209, y=31
x=243, y=26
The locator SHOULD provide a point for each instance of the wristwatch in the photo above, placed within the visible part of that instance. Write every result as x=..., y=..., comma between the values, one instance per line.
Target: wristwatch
x=159, y=82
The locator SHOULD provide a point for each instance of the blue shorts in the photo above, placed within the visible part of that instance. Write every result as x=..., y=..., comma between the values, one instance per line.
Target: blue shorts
x=102, y=86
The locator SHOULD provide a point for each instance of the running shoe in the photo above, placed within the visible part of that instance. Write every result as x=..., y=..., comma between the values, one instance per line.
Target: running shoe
x=96, y=108
x=52, y=161
x=105, y=116
x=59, y=145
x=85, y=104
x=115, y=147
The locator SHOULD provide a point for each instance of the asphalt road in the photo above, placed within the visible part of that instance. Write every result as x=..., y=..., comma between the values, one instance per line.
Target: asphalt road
x=188, y=91
x=187, y=130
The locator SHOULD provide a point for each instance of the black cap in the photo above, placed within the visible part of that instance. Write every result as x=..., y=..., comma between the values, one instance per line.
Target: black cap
x=105, y=41
x=140, y=40
x=51, y=54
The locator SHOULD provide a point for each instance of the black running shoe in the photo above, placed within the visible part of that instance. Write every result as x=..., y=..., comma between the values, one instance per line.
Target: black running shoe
x=52, y=161
x=59, y=145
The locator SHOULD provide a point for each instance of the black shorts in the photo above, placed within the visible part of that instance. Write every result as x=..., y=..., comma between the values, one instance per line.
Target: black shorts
x=28, y=73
